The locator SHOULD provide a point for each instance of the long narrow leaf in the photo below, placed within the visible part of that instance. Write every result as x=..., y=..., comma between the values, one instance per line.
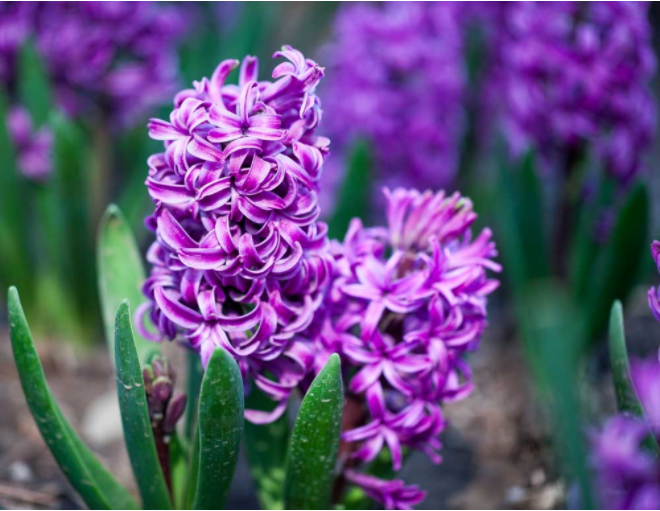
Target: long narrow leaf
x=15, y=264
x=72, y=231
x=620, y=261
x=626, y=396
x=530, y=217
x=220, y=421
x=33, y=83
x=266, y=449
x=315, y=442
x=138, y=433
x=553, y=327
x=95, y=485
x=121, y=275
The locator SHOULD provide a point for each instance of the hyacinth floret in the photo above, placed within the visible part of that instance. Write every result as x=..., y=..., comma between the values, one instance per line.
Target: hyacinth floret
x=407, y=302
x=240, y=260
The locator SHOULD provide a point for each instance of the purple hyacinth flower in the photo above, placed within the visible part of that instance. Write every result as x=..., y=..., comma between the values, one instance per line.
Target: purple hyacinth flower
x=571, y=77
x=646, y=378
x=240, y=261
x=391, y=494
x=627, y=475
x=396, y=78
x=407, y=302
x=33, y=148
x=117, y=59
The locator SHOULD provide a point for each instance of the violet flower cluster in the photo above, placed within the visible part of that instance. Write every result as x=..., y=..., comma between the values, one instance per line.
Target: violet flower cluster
x=407, y=303
x=628, y=476
x=576, y=77
x=116, y=57
x=397, y=79
x=240, y=261
x=113, y=59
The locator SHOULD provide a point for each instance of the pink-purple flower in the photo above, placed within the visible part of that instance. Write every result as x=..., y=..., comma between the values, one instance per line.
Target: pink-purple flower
x=392, y=494
x=407, y=302
x=240, y=261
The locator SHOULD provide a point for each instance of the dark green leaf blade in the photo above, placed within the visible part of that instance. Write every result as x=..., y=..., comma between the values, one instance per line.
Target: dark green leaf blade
x=138, y=434
x=95, y=485
x=353, y=199
x=315, y=442
x=266, y=450
x=220, y=420
x=619, y=263
x=121, y=275
x=554, y=334
x=15, y=265
x=626, y=396
x=34, y=86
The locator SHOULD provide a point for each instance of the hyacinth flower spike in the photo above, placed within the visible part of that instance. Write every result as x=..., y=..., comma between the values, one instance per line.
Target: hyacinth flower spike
x=407, y=302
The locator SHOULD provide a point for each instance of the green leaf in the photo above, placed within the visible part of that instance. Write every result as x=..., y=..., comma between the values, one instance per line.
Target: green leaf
x=138, y=434
x=220, y=420
x=121, y=275
x=67, y=223
x=193, y=472
x=619, y=263
x=530, y=217
x=585, y=246
x=310, y=465
x=97, y=487
x=15, y=264
x=626, y=396
x=179, y=469
x=554, y=328
x=353, y=201
x=194, y=377
x=523, y=221
x=33, y=84
x=266, y=450
x=507, y=213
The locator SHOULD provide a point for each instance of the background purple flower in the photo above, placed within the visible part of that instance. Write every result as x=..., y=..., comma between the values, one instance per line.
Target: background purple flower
x=240, y=262
x=33, y=147
x=407, y=302
x=396, y=79
x=573, y=77
x=114, y=58
x=627, y=476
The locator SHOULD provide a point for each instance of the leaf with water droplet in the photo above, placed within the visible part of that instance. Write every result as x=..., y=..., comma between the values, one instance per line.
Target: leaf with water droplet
x=220, y=419
x=96, y=486
x=315, y=442
x=138, y=434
